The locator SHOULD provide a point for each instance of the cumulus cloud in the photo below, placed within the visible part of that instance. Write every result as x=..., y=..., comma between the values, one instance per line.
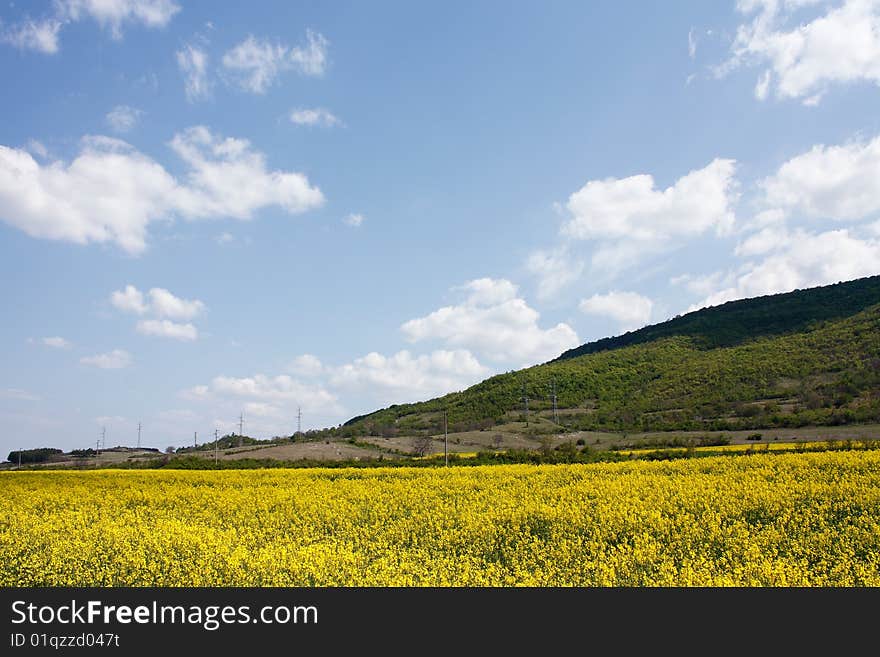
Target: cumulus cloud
x=632, y=208
x=630, y=309
x=493, y=322
x=373, y=380
x=111, y=192
x=306, y=365
x=354, y=220
x=628, y=219
x=268, y=389
x=228, y=178
x=165, y=328
x=193, y=64
x=164, y=304
x=314, y=117
x=123, y=118
x=802, y=260
x=130, y=300
x=255, y=64
x=840, y=45
x=827, y=182
x=56, y=342
x=404, y=377
x=164, y=307
x=40, y=36
x=112, y=360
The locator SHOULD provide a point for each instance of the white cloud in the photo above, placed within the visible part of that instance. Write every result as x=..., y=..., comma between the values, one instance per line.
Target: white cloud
x=164, y=304
x=692, y=43
x=113, y=14
x=40, y=36
x=840, y=46
x=354, y=220
x=632, y=208
x=256, y=63
x=403, y=377
x=130, y=300
x=228, y=178
x=314, y=117
x=554, y=270
x=629, y=219
x=112, y=360
x=111, y=192
x=306, y=365
x=165, y=328
x=262, y=409
x=225, y=238
x=828, y=182
x=765, y=240
x=493, y=323
x=193, y=63
x=18, y=394
x=123, y=118
x=630, y=309
x=800, y=261
x=56, y=342
x=261, y=389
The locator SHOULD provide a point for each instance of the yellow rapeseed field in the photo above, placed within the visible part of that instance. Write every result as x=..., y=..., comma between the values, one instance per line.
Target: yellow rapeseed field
x=766, y=519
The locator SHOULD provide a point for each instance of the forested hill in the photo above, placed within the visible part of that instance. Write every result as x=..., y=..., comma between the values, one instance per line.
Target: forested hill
x=737, y=321
x=810, y=357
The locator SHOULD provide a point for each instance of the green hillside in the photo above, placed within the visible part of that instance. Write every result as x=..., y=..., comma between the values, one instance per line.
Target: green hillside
x=810, y=357
x=737, y=321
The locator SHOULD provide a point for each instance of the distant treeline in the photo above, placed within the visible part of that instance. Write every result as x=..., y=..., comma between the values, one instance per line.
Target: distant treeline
x=38, y=455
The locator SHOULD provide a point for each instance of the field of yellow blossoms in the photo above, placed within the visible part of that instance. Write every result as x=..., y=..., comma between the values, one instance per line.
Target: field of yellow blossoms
x=764, y=519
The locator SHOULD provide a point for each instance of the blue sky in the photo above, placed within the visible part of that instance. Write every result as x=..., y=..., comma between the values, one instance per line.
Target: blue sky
x=215, y=208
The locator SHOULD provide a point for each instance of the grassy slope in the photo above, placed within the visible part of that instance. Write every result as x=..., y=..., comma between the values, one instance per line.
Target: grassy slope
x=813, y=362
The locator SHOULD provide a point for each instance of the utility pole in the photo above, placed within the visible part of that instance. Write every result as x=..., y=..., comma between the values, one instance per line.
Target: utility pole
x=19, y=458
x=555, y=412
x=139, y=435
x=526, y=403
x=103, y=440
x=446, y=438
x=299, y=419
x=195, y=438
x=215, y=446
x=240, y=427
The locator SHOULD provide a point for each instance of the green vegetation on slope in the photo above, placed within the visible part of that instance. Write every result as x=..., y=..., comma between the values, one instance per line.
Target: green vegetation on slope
x=738, y=321
x=806, y=364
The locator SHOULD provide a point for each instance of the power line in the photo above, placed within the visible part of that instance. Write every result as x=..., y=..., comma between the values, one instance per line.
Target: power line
x=215, y=446
x=299, y=419
x=139, y=435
